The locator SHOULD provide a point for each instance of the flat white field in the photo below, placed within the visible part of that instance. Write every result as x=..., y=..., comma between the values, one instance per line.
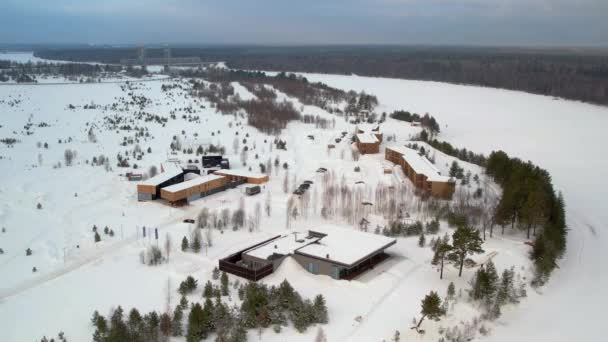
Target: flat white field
x=76, y=276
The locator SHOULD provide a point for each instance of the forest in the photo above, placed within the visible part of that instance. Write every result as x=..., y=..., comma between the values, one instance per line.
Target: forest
x=580, y=74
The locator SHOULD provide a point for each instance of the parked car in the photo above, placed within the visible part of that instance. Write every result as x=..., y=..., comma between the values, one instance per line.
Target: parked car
x=252, y=190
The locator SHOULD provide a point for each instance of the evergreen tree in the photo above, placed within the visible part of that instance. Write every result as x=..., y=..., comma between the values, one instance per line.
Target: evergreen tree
x=118, y=329
x=485, y=283
x=185, y=244
x=135, y=324
x=320, y=310
x=183, y=303
x=431, y=308
x=451, y=290
x=188, y=286
x=216, y=273
x=224, y=282
x=441, y=252
x=421, y=240
x=196, y=241
x=196, y=322
x=238, y=333
x=208, y=290
x=465, y=240
x=97, y=237
x=176, y=324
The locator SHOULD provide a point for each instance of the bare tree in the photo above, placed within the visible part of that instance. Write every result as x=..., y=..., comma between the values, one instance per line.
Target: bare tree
x=286, y=182
x=225, y=216
x=268, y=204
x=69, y=156
x=258, y=215
x=235, y=145
x=168, y=245
x=209, y=236
x=39, y=159
x=203, y=218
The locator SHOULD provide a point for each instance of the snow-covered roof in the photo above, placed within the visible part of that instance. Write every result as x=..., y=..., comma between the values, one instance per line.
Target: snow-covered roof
x=285, y=245
x=368, y=128
x=170, y=170
x=191, y=183
x=240, y=173
x=367, y=138
x=420, y=164
x=345, y=246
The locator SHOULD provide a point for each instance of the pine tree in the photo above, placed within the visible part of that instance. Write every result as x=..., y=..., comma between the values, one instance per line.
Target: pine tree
x=224, y=284
x=196, y=241
x=451, y=290
x=97, y=237
x=216, y=273
x=208, y=290
x=421, y=240
x=184, y=244
x=176, y=323
x=135, y=324
x=195, y=331
x=118, y=329
x=441, y=252
x=238, y=333
x=465, y=240
x=320, y=310
x=431, y=308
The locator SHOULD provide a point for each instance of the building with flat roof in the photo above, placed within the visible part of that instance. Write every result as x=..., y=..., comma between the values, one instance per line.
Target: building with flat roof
x=243, y=175
x=171, y=173
x=368, y=138
x=421, y=171
x=336, y=252
x=194, y=188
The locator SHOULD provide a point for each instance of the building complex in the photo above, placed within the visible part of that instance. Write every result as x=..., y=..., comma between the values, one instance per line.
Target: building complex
x=177, y=185
x=336, y=252
x=421, y=171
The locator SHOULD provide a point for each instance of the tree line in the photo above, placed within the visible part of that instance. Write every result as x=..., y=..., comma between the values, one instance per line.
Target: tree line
x=577, y=75
x=529, y=202
x=261, y=307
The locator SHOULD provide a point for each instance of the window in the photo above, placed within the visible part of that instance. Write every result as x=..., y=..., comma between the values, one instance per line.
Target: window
x=313, y=268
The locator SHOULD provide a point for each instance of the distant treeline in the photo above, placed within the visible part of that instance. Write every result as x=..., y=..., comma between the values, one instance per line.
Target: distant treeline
x=577, y=75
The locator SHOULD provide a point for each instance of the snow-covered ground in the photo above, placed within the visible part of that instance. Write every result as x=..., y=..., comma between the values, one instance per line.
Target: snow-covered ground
x=565, y=137
x=76, y=276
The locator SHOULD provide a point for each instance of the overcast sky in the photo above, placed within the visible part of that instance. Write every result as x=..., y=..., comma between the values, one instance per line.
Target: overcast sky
x=469, y=22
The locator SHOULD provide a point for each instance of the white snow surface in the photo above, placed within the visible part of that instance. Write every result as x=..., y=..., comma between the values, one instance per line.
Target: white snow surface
x=76, y=276
x=345, y=246
x=192, y=182
x=565, y=137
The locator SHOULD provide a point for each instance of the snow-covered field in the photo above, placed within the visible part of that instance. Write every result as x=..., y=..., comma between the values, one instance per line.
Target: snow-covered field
x=76, y=276
x=565, y=137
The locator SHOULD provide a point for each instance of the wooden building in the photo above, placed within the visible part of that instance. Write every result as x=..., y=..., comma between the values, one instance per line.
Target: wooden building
x=150, y=188
x=368, y=138
x=423, y=174
x=243, y=176
x=194, y=189
x=328, y=250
